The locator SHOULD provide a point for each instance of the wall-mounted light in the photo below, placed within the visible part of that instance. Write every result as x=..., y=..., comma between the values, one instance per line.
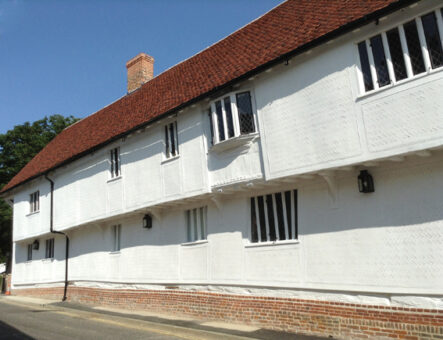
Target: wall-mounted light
x=365, y=182
x=147, y=221
x=35, y=245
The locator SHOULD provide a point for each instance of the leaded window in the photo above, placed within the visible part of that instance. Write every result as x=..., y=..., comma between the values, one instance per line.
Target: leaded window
x=232, y=116
x=274, y=217
x=402, y=52
x=196, y=223
x=171, y=140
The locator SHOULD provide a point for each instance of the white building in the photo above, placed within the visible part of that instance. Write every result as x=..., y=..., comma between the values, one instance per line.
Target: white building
x=227, y=187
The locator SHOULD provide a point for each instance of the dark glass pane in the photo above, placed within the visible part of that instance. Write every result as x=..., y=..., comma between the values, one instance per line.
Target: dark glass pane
x=433, y=39
x=176, y=138
x=167, y=141
x=261, y=216
x=398, y=60
x=229, y=120
x=254, y=232
x=280, y=219
x=245, y=115
x=381, y=66
x=211, y=126
x=418, y=65
x=219, y=113
x=365, y=68
x=271, y=223
x=288, y=212
x=172, y=134
x=296, y=214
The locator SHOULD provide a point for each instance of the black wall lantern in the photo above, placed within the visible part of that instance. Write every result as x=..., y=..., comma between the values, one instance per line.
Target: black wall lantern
x=35, y=245
x=365, y=182
x=147, y=221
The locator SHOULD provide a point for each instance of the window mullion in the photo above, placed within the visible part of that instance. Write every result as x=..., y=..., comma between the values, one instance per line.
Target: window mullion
x=285, y=218
x=235, y=115
x=215, y=123
x=388, y=57
x=293, y=214
x=225, y=121
x=257, y=216
x=372, y=65
x=439, y=17
x=404, y=46
x=277, y=227
x=423, y=45
x=194, y=222
x=265, y=206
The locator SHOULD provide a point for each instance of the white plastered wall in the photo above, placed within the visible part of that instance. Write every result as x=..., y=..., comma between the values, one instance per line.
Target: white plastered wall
x=384, y=246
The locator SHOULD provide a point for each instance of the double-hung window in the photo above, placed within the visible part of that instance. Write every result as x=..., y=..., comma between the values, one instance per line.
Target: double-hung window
x=196, y=223
x=116, y=237
x=115, y=162
x=274, y=217
x=49, y=251
x=34, y=202
x=402, y=52
x=232, y=116
x=171, y=140
x=29, y=258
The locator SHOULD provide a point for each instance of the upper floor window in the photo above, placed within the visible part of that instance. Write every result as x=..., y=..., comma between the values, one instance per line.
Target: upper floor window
x=402, y=52
x=196, y=223
x=115, y=162
x=116, y=236
x=232, y=116
x=274, y=217
x=34, y=201
x=171, y=140
x=49, y=251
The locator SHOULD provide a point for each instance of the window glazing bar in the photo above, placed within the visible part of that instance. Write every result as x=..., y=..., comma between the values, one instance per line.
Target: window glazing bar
x=265, y=207
x=277, y=227
x=235, y=115
x=293, y=217
x=388, y=57
x=404, y=46
x=423, y=45
x=257, y=216
x=285, y=218
x=372, y=65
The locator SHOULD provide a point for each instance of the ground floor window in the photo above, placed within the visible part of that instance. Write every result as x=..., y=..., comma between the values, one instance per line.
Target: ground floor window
x=274, y=217
x=196, y=223
x=29, y=252
x=49, y=253
x=116, y=232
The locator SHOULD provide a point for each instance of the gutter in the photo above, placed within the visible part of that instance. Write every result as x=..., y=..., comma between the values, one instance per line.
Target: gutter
x=51, y=228
x=346, y=28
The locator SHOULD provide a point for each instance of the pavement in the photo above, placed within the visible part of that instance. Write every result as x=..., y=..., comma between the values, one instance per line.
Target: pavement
x=33, y=318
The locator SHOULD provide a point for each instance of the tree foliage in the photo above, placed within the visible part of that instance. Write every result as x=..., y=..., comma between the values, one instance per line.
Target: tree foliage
x=17, y=147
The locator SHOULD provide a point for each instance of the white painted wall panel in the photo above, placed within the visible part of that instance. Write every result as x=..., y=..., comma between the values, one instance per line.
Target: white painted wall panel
x=407, y=116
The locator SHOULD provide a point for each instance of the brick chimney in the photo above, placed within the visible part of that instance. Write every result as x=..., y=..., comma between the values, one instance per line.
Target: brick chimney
x=140, y=70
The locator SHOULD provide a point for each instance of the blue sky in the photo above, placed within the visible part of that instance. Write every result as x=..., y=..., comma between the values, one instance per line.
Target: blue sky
x=68, y=57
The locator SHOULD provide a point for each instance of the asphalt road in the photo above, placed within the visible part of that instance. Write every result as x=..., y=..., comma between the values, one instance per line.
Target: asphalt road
x=21, y=322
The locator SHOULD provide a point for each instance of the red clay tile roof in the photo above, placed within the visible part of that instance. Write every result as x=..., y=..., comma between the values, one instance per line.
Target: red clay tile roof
x=286, y=29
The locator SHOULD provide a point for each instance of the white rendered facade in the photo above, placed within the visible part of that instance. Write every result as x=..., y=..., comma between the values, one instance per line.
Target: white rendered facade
x=316, y=128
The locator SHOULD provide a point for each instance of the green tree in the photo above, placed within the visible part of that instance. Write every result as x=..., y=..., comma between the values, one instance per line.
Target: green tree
x=17, y=147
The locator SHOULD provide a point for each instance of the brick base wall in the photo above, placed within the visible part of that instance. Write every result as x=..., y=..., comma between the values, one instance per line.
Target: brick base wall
x=340, y=320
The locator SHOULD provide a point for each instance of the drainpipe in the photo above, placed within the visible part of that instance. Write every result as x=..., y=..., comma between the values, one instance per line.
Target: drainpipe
x=51, y=228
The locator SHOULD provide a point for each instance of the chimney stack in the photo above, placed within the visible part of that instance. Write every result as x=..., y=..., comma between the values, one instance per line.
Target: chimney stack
x=140, y=70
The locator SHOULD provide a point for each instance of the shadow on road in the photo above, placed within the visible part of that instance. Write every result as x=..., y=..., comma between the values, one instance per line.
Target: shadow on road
x=7, y=332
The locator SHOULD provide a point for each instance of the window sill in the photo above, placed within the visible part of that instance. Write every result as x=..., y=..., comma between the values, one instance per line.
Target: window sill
x=170, y=159
x=115, y=252
x=115, y=179
x=33, y=213
x=271, y=243
x=194, y=243
x=234, y=142
x=49, y=259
